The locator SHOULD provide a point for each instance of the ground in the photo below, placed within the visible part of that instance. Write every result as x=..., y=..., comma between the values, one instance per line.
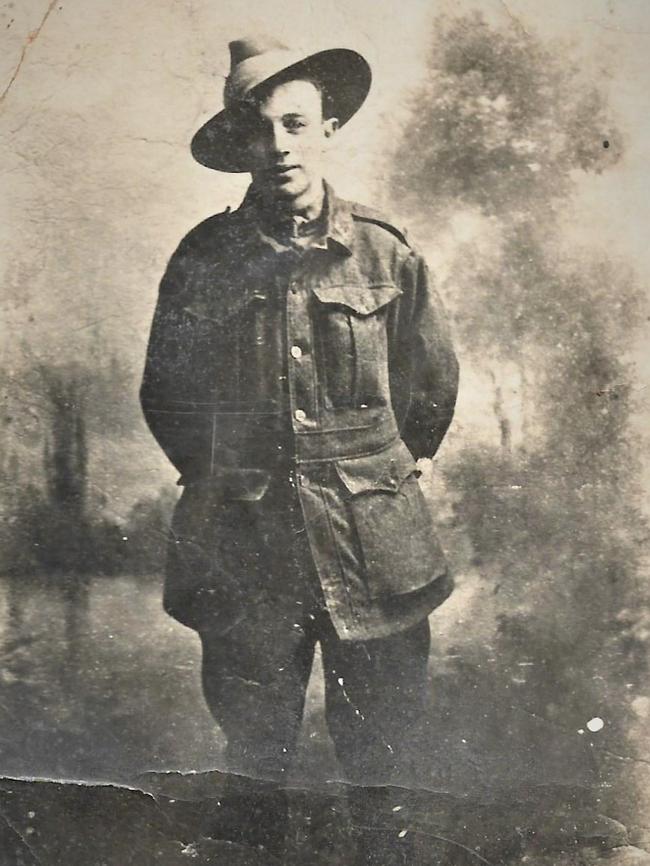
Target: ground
x=102, y=689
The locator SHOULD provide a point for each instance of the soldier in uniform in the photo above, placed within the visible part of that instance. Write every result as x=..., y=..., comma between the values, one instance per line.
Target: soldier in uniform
x=299, y=365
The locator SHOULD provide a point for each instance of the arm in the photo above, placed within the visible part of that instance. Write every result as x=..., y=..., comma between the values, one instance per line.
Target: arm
x=166, y=362
x=424, y=369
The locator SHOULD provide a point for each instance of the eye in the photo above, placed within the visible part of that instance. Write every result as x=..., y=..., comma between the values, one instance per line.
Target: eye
x=294, y=124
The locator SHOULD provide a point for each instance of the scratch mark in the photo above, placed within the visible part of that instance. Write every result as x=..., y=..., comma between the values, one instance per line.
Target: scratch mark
x=247, y=682
x=32, y=36
x=454, y=842
x=613, y=29
x=99, y=321
x=146, y=140
x=17, y=832
x=513, y=17
x=357, y=711
x=457, y=844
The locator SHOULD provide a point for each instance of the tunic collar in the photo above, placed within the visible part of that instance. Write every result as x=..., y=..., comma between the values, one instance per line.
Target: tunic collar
x=334, y=229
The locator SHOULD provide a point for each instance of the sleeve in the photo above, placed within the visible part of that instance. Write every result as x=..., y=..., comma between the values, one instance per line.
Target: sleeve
x=424, y=368
x=165, y=366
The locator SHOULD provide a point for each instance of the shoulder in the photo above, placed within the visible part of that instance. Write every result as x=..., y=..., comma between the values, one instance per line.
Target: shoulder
x=204, y=243
x=210, y=239
x=381, y=246
x=208, y=231
x=378, y=223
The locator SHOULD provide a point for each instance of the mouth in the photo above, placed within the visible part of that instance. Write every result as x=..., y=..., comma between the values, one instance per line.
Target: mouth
x=281, y=171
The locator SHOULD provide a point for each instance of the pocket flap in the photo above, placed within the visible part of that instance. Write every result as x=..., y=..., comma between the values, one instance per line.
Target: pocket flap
x=384, y=471
x=363, y=300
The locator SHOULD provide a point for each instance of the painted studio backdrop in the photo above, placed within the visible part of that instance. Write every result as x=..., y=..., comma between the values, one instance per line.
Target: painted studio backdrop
x=511, y=140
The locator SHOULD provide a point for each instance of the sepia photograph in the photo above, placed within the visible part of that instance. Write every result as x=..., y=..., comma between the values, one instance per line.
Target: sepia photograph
x=325, y=466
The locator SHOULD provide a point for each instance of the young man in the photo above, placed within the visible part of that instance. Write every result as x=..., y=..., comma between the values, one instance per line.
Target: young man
x=299, y=364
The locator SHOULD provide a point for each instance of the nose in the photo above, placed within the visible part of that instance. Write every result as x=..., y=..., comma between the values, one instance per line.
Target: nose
x=279, y=140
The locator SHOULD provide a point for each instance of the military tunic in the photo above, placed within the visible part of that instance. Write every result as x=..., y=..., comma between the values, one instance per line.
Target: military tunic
x=326, y=366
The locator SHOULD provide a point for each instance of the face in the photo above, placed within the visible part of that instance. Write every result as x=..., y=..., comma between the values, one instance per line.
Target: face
x=288, y=140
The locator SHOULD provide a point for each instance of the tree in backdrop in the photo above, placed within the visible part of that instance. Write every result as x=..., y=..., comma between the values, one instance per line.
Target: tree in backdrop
x=57, y=417
x=65, y=458
x=66, y=453
x=499, y=133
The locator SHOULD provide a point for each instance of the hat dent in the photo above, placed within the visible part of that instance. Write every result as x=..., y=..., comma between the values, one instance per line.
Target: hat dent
x=255, y=70
x=243, y=49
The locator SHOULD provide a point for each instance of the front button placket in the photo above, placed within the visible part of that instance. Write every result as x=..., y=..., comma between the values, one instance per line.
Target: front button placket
x=318, y=507
x=302, y=391
x=303, y=397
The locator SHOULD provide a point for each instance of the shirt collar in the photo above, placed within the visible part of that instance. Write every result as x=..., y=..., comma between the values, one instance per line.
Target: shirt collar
x=340, y=226
x=338, y=233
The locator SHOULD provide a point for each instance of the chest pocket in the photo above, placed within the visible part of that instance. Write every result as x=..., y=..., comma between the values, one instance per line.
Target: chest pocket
x=351, y=344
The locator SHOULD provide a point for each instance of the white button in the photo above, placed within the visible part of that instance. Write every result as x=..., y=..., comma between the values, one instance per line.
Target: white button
x=300, y=415
x=296, y=352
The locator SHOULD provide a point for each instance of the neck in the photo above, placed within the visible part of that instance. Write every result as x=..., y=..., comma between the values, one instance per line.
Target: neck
x=308, y=204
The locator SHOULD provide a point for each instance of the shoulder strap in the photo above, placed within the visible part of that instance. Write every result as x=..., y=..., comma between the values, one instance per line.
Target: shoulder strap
x=362, y=213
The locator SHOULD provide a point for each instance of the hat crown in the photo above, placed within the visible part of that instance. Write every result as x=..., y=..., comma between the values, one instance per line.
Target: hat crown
x=244, y=49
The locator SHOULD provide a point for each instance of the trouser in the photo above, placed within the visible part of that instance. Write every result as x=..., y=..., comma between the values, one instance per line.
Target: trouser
x=255, y=676
x=375, y=705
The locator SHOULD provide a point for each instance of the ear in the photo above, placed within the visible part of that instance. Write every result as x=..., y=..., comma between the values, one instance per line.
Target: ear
x=330, y=126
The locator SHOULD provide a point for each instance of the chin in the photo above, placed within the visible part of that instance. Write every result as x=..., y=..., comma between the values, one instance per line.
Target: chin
x=289, y=191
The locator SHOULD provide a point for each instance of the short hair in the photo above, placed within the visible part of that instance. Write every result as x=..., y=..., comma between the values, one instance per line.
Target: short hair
x=263, y=90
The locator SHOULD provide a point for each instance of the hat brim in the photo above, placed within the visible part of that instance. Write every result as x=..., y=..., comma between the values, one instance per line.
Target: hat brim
x=344, y=75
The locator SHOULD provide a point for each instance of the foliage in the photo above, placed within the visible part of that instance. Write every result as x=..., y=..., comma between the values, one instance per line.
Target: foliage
x=66, y=449
x=500, y=131
x=56, y=416
x=38, y=538
x=501, y=121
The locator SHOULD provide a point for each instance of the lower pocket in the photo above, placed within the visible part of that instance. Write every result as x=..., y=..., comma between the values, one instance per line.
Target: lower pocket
x=393, y=522
x=213, y=566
